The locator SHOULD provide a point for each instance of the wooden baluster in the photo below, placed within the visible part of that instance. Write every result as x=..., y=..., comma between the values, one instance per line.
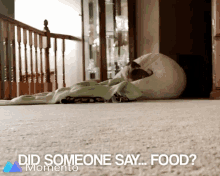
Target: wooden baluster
x=20, y=80
x=7, y=85
x=36, y=65
x=101, y=55
x=63, y=53
x=83, y=40
x=55, y=66
x=41, y=64
x=26, y=85
x=31, y=84
x=47, y=84
x=1, y=59
x=13, y=62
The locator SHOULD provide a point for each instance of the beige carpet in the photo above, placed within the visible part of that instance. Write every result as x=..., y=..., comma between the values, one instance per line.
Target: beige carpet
x=145, y=128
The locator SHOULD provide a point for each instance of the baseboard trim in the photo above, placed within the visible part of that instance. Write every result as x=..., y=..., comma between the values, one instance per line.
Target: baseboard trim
x=215, y=94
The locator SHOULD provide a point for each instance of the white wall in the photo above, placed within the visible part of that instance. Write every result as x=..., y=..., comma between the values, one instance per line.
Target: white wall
x=64, y=18
x=62, y=15
x=147, y=26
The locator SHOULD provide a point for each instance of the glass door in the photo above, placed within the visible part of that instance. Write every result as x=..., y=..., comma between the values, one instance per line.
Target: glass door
x=91, y=39
x=106, y=37
x=117, y=52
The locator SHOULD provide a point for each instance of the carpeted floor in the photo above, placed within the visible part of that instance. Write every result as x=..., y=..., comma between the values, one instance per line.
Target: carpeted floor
x=144, y=128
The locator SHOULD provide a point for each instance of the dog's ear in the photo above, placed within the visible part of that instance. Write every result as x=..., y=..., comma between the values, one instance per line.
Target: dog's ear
x=133, y=64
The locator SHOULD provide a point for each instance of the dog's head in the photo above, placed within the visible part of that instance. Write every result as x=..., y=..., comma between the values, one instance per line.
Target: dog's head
x=135, y=72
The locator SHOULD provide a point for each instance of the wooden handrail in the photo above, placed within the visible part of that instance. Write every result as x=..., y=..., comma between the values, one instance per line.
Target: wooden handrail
x=62, y=36
x=20, y=24
x=40, y=32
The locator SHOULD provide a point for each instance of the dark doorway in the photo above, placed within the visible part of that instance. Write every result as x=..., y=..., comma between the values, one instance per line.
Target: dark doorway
x=186, y=36
x=193, y=67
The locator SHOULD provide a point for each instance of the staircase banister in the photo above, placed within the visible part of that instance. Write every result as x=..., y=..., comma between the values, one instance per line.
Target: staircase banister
x=20, y=24
x=62, y=36
x=15, y=34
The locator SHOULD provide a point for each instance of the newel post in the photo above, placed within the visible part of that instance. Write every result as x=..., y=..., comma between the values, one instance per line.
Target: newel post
x=46, y=46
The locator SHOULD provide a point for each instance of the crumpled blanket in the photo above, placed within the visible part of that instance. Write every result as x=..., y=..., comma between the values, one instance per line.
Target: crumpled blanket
x=105, y=90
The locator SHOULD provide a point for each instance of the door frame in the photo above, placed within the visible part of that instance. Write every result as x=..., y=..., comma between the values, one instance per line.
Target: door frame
x=215, y=94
